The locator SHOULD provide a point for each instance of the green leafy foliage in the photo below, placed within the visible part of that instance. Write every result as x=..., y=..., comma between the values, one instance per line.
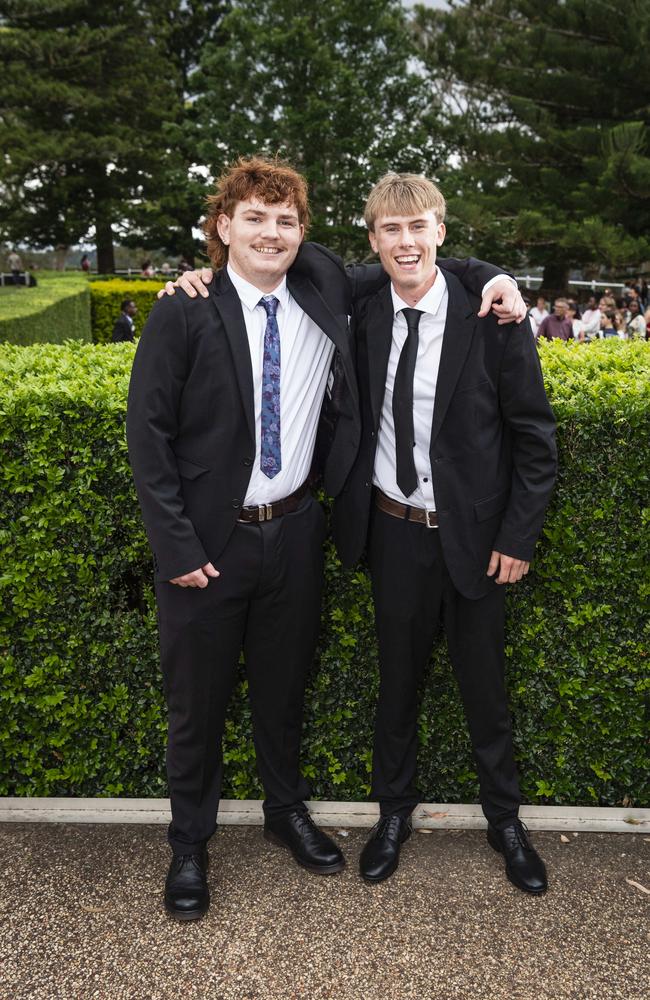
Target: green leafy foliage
x=329, y=86
x=56, y=309
x=106, y=298
x=81, y=705
x=552, y=153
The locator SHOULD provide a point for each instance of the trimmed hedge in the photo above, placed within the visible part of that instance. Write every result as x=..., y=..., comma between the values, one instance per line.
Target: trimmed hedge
x=81, y=706
x=107, y=296
x=57, y=309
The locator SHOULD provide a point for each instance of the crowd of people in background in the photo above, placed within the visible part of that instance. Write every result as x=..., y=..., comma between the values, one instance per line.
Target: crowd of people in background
x=626, y=317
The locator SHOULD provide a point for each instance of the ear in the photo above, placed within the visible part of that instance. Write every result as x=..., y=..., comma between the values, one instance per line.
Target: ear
x=223, y=228
x=373, y=241
x=440, y=234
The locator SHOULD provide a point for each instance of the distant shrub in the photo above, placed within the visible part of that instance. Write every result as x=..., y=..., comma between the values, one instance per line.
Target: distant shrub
x=106, y=298
x=57, y=309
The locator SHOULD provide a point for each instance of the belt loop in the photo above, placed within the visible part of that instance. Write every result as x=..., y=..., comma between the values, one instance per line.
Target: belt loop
x=407, y=512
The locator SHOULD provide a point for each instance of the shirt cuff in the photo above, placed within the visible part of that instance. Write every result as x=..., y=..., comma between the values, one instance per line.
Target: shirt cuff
x=497, y=277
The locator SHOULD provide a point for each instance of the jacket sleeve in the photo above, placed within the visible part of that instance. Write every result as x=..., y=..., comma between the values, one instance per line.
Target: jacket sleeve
x=160, y=370
x=474, y=274
x=530, y=419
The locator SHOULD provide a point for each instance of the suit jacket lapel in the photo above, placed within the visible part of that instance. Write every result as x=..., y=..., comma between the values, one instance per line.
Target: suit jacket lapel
x=228, y=305
x=379, y=335
x=457, y=337
x=335, y=327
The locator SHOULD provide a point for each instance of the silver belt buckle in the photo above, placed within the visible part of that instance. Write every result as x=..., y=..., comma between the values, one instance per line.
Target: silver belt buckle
x=265, y=511
x=429, y=513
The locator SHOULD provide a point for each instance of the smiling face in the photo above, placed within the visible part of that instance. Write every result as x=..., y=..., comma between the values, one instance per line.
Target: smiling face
x=262, y=241
x=407, y=248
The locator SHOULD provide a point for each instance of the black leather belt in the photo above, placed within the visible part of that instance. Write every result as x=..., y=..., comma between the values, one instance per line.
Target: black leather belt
x=267, y=511
x=428, y=517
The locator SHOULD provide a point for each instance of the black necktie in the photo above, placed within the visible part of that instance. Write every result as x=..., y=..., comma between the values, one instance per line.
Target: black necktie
x=407, y=479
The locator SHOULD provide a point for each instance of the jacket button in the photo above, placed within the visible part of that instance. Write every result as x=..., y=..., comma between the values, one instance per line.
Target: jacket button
x=367, y=485
x=372, y=434
x=248, y=461
x=236, y=502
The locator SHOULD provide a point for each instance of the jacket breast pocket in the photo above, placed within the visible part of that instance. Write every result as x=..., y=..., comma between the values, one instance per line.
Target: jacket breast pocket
x=189, y=470
x=491, y=506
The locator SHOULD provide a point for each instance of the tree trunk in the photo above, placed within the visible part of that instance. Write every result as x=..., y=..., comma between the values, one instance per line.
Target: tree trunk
x=555, y=281
x=105, y=252
x=60, y=254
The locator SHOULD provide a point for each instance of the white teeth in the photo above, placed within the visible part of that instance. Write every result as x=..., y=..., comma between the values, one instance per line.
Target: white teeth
x=271, y=250
x=408, y=260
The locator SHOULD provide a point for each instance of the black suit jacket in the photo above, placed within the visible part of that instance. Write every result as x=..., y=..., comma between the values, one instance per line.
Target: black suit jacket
x=190, y=418
x=191, y=423
x=492, y=443
x=122, y=330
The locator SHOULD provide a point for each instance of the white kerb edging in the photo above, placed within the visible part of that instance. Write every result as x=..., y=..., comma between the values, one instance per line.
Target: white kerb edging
x=432, y=816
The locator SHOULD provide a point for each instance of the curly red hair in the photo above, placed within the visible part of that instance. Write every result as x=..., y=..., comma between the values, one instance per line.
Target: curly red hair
x=272, y=181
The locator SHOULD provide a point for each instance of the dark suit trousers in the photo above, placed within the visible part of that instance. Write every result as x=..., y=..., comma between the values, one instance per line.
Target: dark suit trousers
x=413, y=596
x=266, y=602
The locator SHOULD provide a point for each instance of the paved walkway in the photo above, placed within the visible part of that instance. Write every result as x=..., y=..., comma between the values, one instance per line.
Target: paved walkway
x=81, y=918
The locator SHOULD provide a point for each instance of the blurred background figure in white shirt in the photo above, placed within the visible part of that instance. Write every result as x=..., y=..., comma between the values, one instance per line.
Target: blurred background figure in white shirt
x=537, y=314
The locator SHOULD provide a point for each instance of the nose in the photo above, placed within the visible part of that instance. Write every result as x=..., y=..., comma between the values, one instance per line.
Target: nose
x=406, y=238
x=269, y=229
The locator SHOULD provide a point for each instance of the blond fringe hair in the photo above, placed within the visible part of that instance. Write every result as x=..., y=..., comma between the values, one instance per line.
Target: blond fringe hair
x=403, y=194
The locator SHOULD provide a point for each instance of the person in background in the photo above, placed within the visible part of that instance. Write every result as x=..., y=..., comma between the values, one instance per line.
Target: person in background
x=85, y=264
x=647, y=324
x=15, y=266
x=184, y=265
x=634, y=321
x=124, y=328
x=538, y=314
x=557, y=326
x=608, y=324
x=591, y=319
x=165, y=268
x=147, y=269
x=573, y=314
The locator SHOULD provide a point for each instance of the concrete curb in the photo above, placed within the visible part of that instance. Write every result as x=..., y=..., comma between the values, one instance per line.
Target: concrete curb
x=427, y=816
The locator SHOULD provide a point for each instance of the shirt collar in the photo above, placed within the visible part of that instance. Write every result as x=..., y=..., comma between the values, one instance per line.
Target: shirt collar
x=250, y=295
x=430, y=302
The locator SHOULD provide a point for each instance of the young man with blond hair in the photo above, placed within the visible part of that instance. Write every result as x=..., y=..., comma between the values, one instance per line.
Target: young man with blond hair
x=237, y=397
x=447, y=494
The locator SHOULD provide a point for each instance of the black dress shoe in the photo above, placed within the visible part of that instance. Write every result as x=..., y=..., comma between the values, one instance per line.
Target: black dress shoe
x=524, y=867
x=311, y=848
x=380, y=856
x=186, y=888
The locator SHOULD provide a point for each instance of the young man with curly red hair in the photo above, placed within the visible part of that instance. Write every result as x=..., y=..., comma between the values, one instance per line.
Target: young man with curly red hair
x=237, y=399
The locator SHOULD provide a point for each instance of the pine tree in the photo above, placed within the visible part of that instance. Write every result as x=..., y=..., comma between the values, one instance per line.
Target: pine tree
x=87, y=88
x=547, y=111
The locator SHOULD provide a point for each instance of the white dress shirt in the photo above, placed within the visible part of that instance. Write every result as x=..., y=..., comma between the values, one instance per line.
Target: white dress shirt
x=537, y=316
x=432, y=326
x=305, y=360
x=591, y=320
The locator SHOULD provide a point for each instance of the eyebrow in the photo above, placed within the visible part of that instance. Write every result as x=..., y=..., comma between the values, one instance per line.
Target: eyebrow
x=394, y=222
x=261, y=211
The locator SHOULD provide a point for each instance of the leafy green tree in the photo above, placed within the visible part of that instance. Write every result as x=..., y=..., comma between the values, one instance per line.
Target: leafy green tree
x=170, y=214
x=546, y=110
x=330, y=86
x=87, y=88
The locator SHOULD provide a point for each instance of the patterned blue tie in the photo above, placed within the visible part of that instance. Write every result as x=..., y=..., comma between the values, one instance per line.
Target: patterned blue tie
x=270, y=457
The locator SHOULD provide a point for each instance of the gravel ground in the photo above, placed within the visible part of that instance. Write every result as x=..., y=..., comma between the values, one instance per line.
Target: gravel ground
x=81, y=917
